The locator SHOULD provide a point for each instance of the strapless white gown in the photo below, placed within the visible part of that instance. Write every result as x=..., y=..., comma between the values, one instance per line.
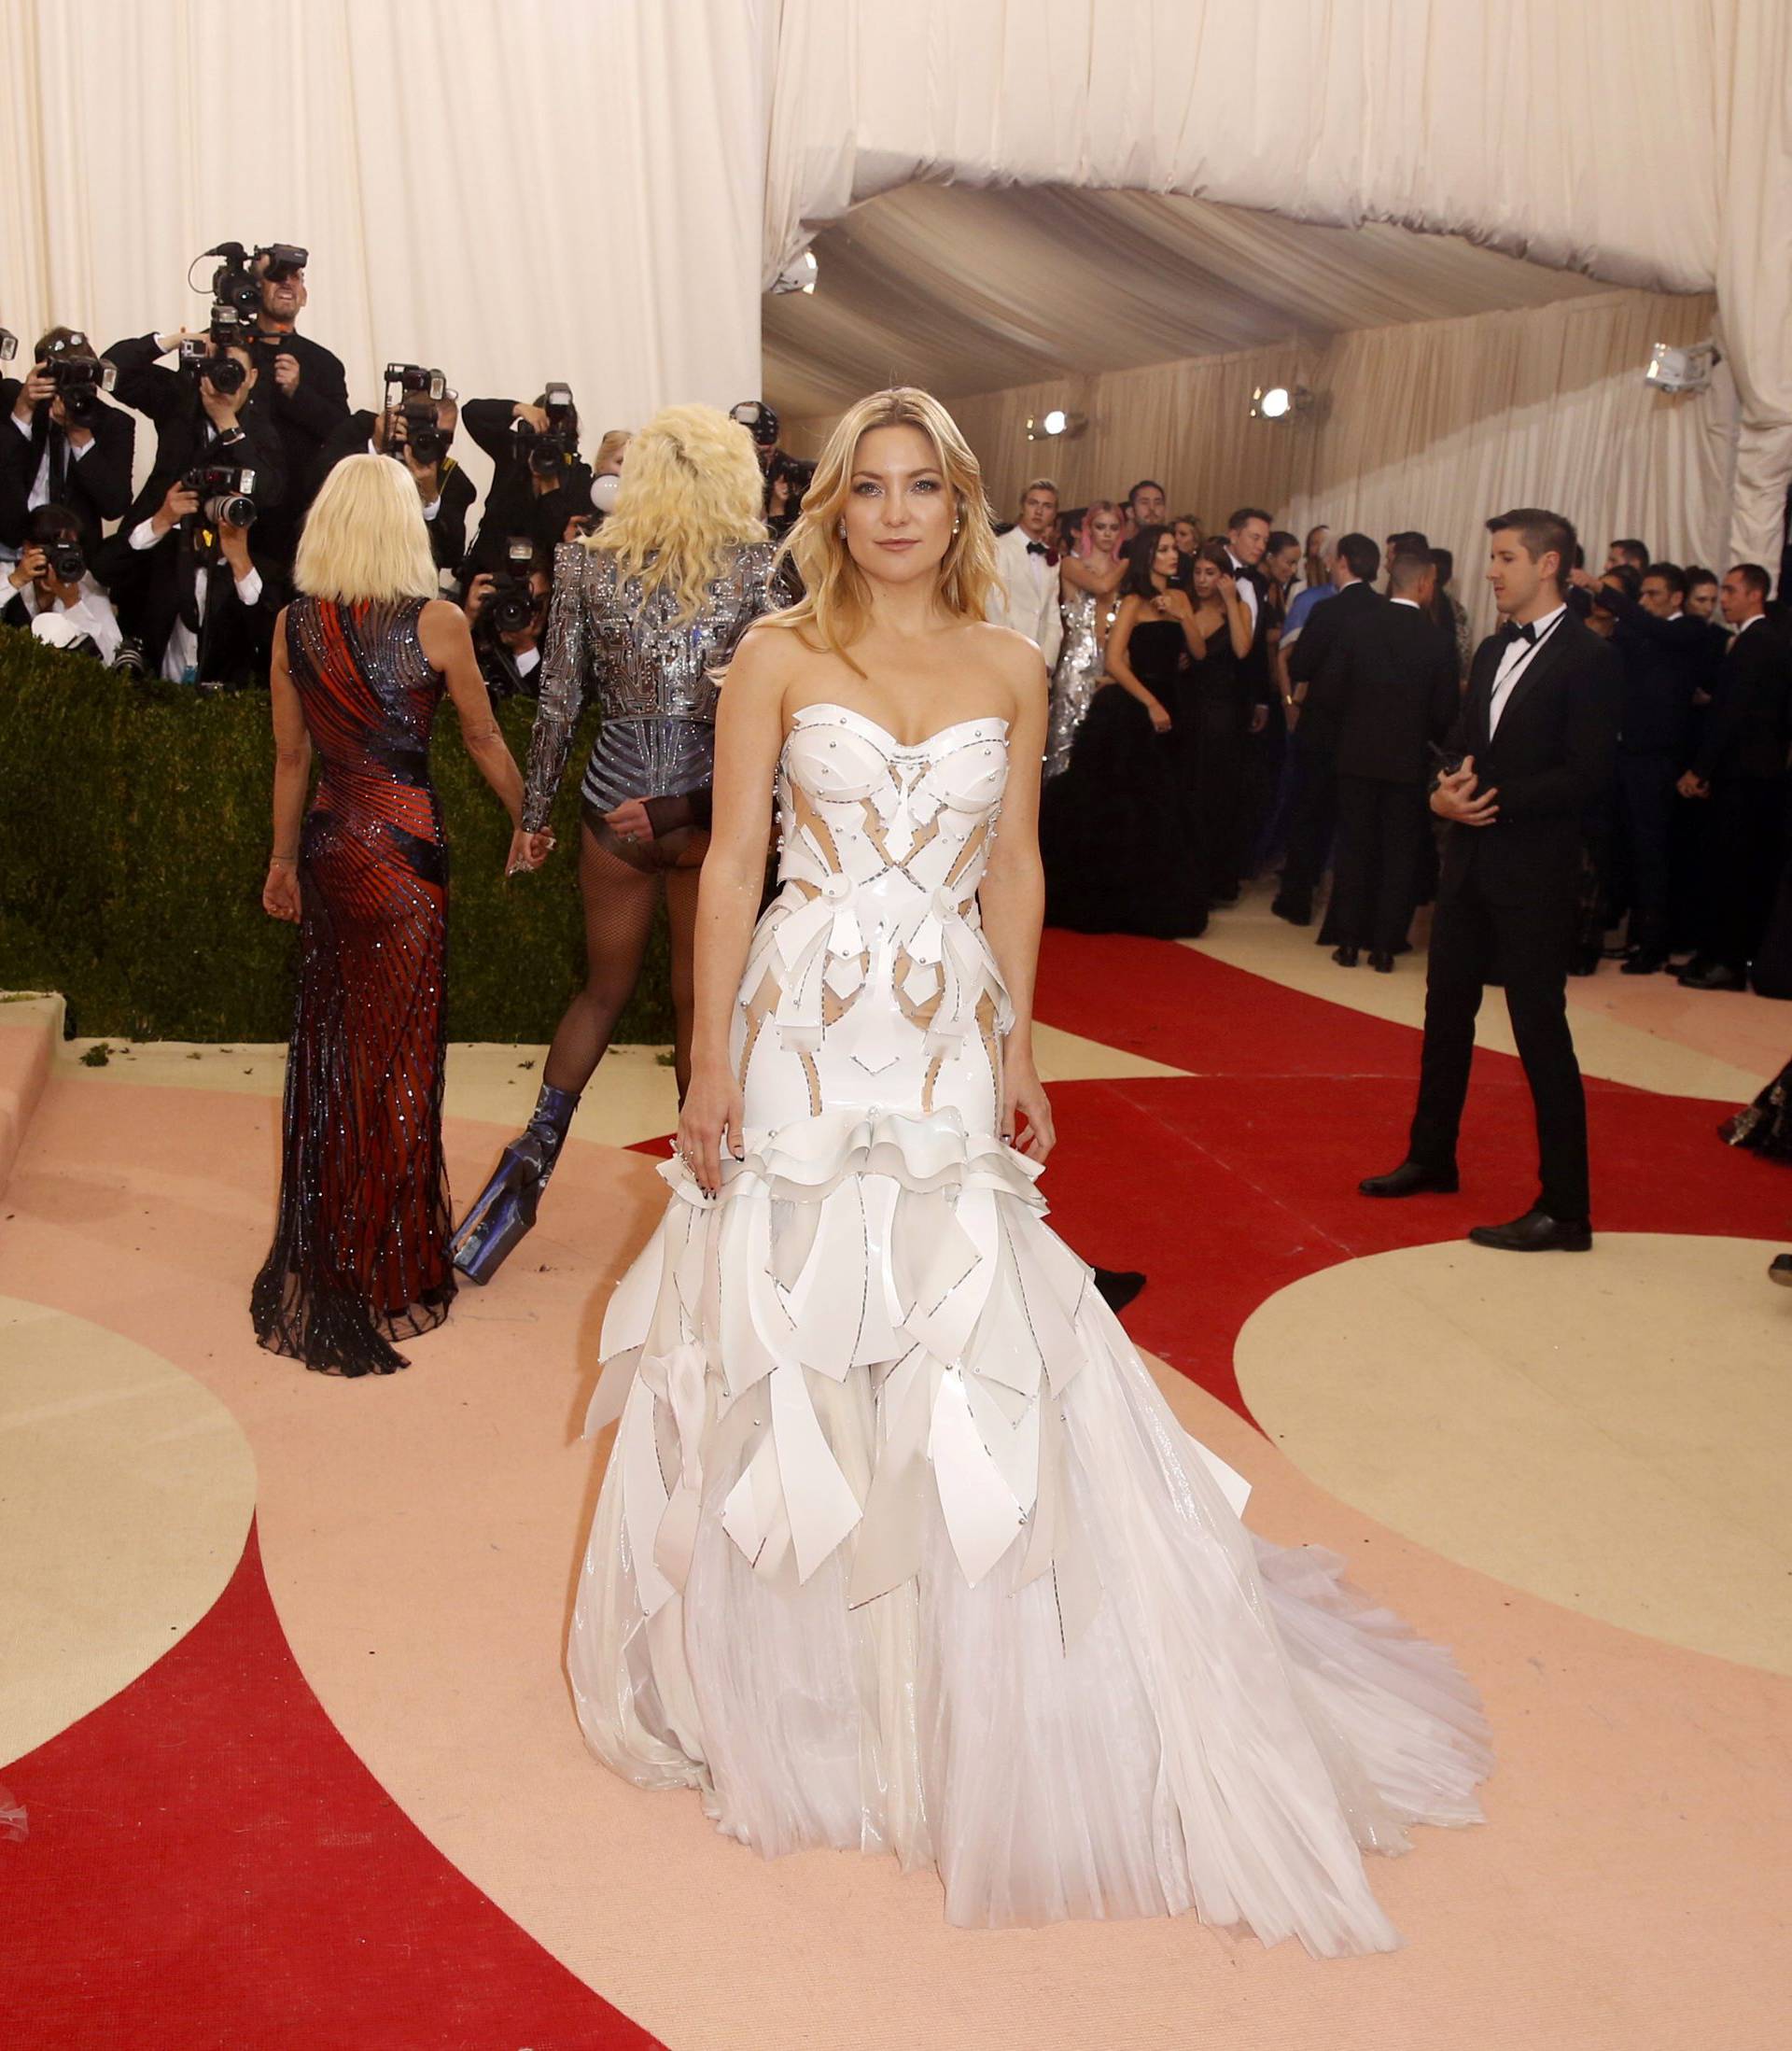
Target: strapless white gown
x=900, y=1546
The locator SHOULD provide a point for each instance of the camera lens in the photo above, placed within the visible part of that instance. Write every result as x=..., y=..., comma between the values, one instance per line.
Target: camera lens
x=224, y=375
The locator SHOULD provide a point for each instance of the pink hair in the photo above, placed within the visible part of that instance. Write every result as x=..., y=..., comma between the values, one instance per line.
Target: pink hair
x=1085, y=533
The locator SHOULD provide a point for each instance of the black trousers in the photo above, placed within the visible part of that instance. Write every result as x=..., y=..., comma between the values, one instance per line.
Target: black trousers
x=1747, y=819
x=1375, y=876
x=1312, y=817
x=1646, y=802
x=1527, y=945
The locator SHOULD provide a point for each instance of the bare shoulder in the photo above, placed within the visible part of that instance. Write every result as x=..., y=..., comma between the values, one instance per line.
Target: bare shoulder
x=443, y=626
x=765, y=659
x=1012, y=657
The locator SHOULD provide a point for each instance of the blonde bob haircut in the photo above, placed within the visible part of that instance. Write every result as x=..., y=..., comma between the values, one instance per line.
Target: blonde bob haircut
x=365, y=541
x=837, y=599
x=691, y=492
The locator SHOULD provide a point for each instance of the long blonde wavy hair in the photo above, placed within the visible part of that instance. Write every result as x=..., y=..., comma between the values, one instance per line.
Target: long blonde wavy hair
x=837, y=601
x=691, y=491
x=364, y=539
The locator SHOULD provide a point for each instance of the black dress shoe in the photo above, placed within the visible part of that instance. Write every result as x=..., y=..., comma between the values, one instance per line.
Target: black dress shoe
x=1645, y=962
x=1412, y=1178
x=1295, y=909
x=1380, y=961
x=1535, y=1232
x=1585, y=962
x=1781, y=1270
x=1715, y=977
x=1117, y=1287
x=1344, y=957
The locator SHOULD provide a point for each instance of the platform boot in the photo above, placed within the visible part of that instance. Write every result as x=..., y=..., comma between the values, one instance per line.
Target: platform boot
x=504, y=1209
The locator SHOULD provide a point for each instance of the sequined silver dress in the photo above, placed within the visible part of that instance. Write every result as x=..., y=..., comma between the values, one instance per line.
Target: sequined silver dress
x=1078, y=673
x=654, y=675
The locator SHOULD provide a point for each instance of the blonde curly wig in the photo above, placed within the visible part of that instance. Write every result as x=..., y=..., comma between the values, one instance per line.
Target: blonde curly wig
x=691, y=492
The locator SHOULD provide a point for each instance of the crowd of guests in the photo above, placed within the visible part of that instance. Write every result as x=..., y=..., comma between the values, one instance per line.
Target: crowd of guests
x=183, y=577
x=1258, y=702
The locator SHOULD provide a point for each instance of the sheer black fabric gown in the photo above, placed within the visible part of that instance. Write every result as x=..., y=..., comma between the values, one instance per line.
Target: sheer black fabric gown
x=1114, y=827
x=360, y=1248
x=1215, y=746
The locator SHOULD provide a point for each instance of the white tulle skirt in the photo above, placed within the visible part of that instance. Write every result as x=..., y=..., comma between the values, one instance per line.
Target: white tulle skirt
x=901, y=1548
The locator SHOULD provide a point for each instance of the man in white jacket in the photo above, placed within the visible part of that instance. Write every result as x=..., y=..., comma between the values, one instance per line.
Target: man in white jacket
x=1026, y=594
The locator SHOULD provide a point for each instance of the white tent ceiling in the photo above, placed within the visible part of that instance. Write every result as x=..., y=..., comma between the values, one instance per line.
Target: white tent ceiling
x=966, y=289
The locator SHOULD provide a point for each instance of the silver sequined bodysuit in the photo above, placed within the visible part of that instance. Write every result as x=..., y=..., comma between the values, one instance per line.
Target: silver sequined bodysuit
x=1080, y=665
x=653, y=673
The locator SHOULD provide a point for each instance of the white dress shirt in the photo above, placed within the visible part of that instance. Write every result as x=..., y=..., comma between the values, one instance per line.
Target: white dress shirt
x=1516, y=659
x=91, y=613
x=39, y=492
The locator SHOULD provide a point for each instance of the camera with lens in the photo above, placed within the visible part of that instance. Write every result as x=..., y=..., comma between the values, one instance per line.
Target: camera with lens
x=555, y=449
x=64, y=559
x=205, y=355
x=78, y=376
x=414, y=393
x=509, y=605
x=226, y=494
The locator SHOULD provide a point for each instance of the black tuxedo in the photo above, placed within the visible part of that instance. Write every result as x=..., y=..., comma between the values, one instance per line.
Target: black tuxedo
x=1312, y=812
x=448, y=530
x=184, y=429
x=95, y=487
x=1508, y=897
x=303, y=419
x=513, y=505
x=1664, y=663
x=1386, y=693
x=1741, y=755
x=235, y=641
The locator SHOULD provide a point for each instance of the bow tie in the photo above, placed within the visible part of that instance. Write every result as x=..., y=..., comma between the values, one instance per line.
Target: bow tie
x=1039, y=548
x=1512, y=631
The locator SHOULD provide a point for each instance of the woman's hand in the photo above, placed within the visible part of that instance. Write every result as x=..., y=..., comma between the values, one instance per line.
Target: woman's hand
x=713, y=1111
x=1160, y=716
x=629, y=820
x=1024, y=1104
x=527, y=852
x=280, y=893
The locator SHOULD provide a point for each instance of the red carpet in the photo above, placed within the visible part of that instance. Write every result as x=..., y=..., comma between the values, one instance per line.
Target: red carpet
x=210, y=1868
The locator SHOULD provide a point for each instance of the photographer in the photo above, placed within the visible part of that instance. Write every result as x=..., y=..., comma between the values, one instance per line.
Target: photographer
x=540, y=484
x=508, y=611
x=215, y=397
x=67, y=448
x=51, y=577
x=417, y=432
x=203, y=604
x=306, y=386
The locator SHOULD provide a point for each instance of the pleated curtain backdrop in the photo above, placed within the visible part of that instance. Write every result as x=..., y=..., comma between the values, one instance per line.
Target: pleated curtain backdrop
x=1647, y=147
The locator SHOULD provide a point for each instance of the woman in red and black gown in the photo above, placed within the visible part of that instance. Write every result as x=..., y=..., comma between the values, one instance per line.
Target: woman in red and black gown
x=361, y=659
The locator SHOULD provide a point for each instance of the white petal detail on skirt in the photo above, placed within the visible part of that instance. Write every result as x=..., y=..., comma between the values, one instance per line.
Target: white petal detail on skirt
x=901, y=1548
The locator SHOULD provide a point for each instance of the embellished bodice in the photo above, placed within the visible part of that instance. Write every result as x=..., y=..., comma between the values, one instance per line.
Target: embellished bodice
x=871, y=966
x=648, y=666
x=369, y=696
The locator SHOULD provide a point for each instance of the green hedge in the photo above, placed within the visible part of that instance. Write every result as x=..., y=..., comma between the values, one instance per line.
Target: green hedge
x=133, y=842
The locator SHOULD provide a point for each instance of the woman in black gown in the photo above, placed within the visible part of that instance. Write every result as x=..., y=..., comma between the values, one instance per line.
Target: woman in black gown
x=1114, y=827
x=1219, y=722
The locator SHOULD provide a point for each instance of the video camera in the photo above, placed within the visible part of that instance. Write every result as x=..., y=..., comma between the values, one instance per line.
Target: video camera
x=78, y=375
x=554, y=450
x=414, y=393
x=510, y=606
x=236, y=308
x=226, y=494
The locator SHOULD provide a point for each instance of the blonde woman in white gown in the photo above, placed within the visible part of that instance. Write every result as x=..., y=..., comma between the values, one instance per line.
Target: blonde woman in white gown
x=898, y=1546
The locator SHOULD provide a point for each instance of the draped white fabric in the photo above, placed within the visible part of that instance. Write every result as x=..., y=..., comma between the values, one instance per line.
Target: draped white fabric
x=1646, y=149
x=1429, y=423
x=510, y=189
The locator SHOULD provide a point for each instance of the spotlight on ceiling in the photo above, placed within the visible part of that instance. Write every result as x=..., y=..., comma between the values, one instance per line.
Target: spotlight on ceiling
x=799, y=275
x=1055, y=425
x=1672, y=369
x=1278, y=401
